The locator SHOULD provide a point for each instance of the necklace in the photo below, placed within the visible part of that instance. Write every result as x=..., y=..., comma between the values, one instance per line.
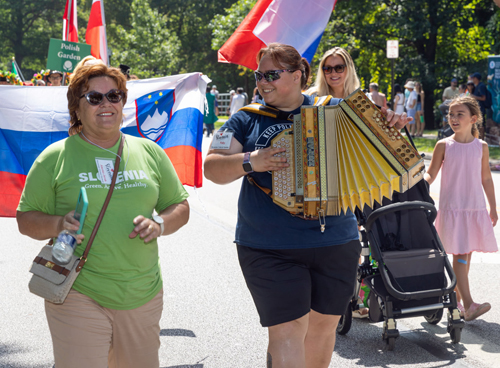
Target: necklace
x=117, y=155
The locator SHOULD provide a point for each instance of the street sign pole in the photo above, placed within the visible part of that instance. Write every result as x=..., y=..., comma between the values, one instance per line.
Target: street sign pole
x=392, y=53
x=392, y=84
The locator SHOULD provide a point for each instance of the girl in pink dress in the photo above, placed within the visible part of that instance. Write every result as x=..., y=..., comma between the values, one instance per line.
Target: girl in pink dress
x=463, y=222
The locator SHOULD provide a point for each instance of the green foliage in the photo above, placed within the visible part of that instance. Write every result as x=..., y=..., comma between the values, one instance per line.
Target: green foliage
x=223, y=26
x=25, y=29
x=438, y=40
x=148, y=47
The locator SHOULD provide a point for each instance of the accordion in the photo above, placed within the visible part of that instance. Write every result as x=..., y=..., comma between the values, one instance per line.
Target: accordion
x=342, y=157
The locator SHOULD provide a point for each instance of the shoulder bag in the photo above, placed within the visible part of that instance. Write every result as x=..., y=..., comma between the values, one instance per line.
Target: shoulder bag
x=53, y=281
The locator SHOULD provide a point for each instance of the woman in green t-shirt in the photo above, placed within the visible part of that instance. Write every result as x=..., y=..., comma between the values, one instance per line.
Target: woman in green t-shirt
x=111, y=316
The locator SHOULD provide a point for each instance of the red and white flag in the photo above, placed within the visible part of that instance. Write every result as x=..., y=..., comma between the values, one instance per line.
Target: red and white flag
x=70, y=22
x=96, y=32
x=297, y=23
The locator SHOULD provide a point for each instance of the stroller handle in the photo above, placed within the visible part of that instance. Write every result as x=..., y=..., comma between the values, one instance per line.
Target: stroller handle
x=403, y=206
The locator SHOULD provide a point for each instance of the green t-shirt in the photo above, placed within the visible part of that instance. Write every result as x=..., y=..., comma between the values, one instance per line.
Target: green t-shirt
x=120, y=273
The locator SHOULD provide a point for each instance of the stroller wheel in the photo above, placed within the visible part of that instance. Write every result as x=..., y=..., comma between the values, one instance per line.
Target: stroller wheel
x=345, y=322
x=391, y=343
x=455, y=334
x=434, y=318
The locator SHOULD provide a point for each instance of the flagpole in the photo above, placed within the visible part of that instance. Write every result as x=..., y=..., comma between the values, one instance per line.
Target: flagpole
x=66, y=22
x=18, y=69
x=104, y=27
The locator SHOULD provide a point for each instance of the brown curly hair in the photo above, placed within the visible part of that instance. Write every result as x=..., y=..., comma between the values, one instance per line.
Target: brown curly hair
x=286, y=57
x=80, y=82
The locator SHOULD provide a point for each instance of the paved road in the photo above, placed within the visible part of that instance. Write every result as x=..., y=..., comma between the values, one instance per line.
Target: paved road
x=209, y=320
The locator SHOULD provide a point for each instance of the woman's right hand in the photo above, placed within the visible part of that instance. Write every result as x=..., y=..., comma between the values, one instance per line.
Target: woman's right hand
x=70, y=223
x=265, y=160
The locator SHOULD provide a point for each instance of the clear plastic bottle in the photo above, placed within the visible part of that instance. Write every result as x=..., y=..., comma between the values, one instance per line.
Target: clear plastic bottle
x=64, y=247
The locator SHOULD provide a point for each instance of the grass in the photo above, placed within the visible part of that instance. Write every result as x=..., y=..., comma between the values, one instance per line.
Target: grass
x=427, y=145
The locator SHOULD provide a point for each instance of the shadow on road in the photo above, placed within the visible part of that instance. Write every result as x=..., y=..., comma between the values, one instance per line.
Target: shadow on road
x=365, y=345
x=177, y=332
x=6, y=351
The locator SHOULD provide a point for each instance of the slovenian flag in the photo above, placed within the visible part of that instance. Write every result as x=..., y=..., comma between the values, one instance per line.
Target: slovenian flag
x=297, y=23
x=167, y=110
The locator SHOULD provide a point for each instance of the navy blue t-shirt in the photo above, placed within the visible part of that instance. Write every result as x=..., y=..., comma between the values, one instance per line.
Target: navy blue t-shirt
x=479, y=91
x=263, y=224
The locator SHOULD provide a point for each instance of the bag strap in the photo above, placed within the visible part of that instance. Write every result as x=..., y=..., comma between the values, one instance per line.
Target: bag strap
x=83, y=258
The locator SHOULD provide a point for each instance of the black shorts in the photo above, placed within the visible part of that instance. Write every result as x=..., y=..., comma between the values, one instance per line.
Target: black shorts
x=287, y=284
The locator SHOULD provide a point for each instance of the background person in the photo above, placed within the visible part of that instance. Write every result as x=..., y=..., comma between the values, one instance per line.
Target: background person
x=479, y=95
x=210, y=116
x=55, y=78
x=449, y=94
x=301, y=280
x=111, y=315
x=238, y=101
x=419, y=114
x=336, y=75
x=399, y=99
x=377, y=97
x=411, y=105
x=231, y=95
x=463, y=223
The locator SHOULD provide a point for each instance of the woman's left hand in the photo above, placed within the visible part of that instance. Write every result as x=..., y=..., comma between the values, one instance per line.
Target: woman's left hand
x=396, y=120
x=146, y=228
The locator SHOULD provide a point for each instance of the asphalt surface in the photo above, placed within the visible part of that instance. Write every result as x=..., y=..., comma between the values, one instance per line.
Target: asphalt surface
x=209, y=320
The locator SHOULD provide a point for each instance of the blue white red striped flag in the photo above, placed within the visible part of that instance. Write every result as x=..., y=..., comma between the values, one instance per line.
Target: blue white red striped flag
x=297, y=23
x=167, y=110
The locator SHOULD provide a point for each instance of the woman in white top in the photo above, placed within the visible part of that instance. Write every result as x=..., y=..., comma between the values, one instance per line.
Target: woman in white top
x=238, y=101
x=399, y=100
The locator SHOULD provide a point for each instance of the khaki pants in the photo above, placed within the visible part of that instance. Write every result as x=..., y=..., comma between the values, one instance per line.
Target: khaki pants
x=85, y=334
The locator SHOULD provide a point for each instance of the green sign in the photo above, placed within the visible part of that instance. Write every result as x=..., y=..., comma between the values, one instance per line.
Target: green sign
x=64, y=55
x=494, y=85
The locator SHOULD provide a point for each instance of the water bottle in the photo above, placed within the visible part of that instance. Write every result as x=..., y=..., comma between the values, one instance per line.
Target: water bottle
x=64, y=247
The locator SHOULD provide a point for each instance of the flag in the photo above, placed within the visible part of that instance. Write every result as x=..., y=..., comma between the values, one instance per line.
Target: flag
x=167, y=110
x=96, y=32
x=70, y=22
x=297, y=23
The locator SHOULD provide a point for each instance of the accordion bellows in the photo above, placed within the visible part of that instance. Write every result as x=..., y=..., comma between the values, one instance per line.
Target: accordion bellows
x=342, y=157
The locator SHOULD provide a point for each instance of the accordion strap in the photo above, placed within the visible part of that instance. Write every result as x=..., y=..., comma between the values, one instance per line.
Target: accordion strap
x=273, y=112
x=253, y=182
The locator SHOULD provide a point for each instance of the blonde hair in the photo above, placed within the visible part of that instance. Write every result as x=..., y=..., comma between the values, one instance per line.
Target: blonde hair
x=474, y=109
x=351, y=83
x=86, y=61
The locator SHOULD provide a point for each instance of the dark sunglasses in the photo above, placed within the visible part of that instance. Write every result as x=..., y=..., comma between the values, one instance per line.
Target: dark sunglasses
x=271, y=75
x=95, y=98
x=338, y=69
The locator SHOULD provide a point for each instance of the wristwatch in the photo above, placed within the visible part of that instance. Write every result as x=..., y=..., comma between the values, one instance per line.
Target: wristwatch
x=247, y=165
x=159, y=221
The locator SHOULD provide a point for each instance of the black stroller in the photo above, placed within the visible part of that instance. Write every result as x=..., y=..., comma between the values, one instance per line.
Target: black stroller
x=410, y=274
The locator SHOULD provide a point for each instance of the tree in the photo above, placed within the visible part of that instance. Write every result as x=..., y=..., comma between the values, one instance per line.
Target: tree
x=439, y=39
x=149, y=48
x=26, y=28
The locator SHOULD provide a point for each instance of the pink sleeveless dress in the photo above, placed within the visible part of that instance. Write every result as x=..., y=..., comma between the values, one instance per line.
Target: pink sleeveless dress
x=463, y=222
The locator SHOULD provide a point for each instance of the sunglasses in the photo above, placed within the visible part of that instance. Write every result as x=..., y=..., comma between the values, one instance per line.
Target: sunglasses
x=271, y=75
x=338, y=69
x=95, y=98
